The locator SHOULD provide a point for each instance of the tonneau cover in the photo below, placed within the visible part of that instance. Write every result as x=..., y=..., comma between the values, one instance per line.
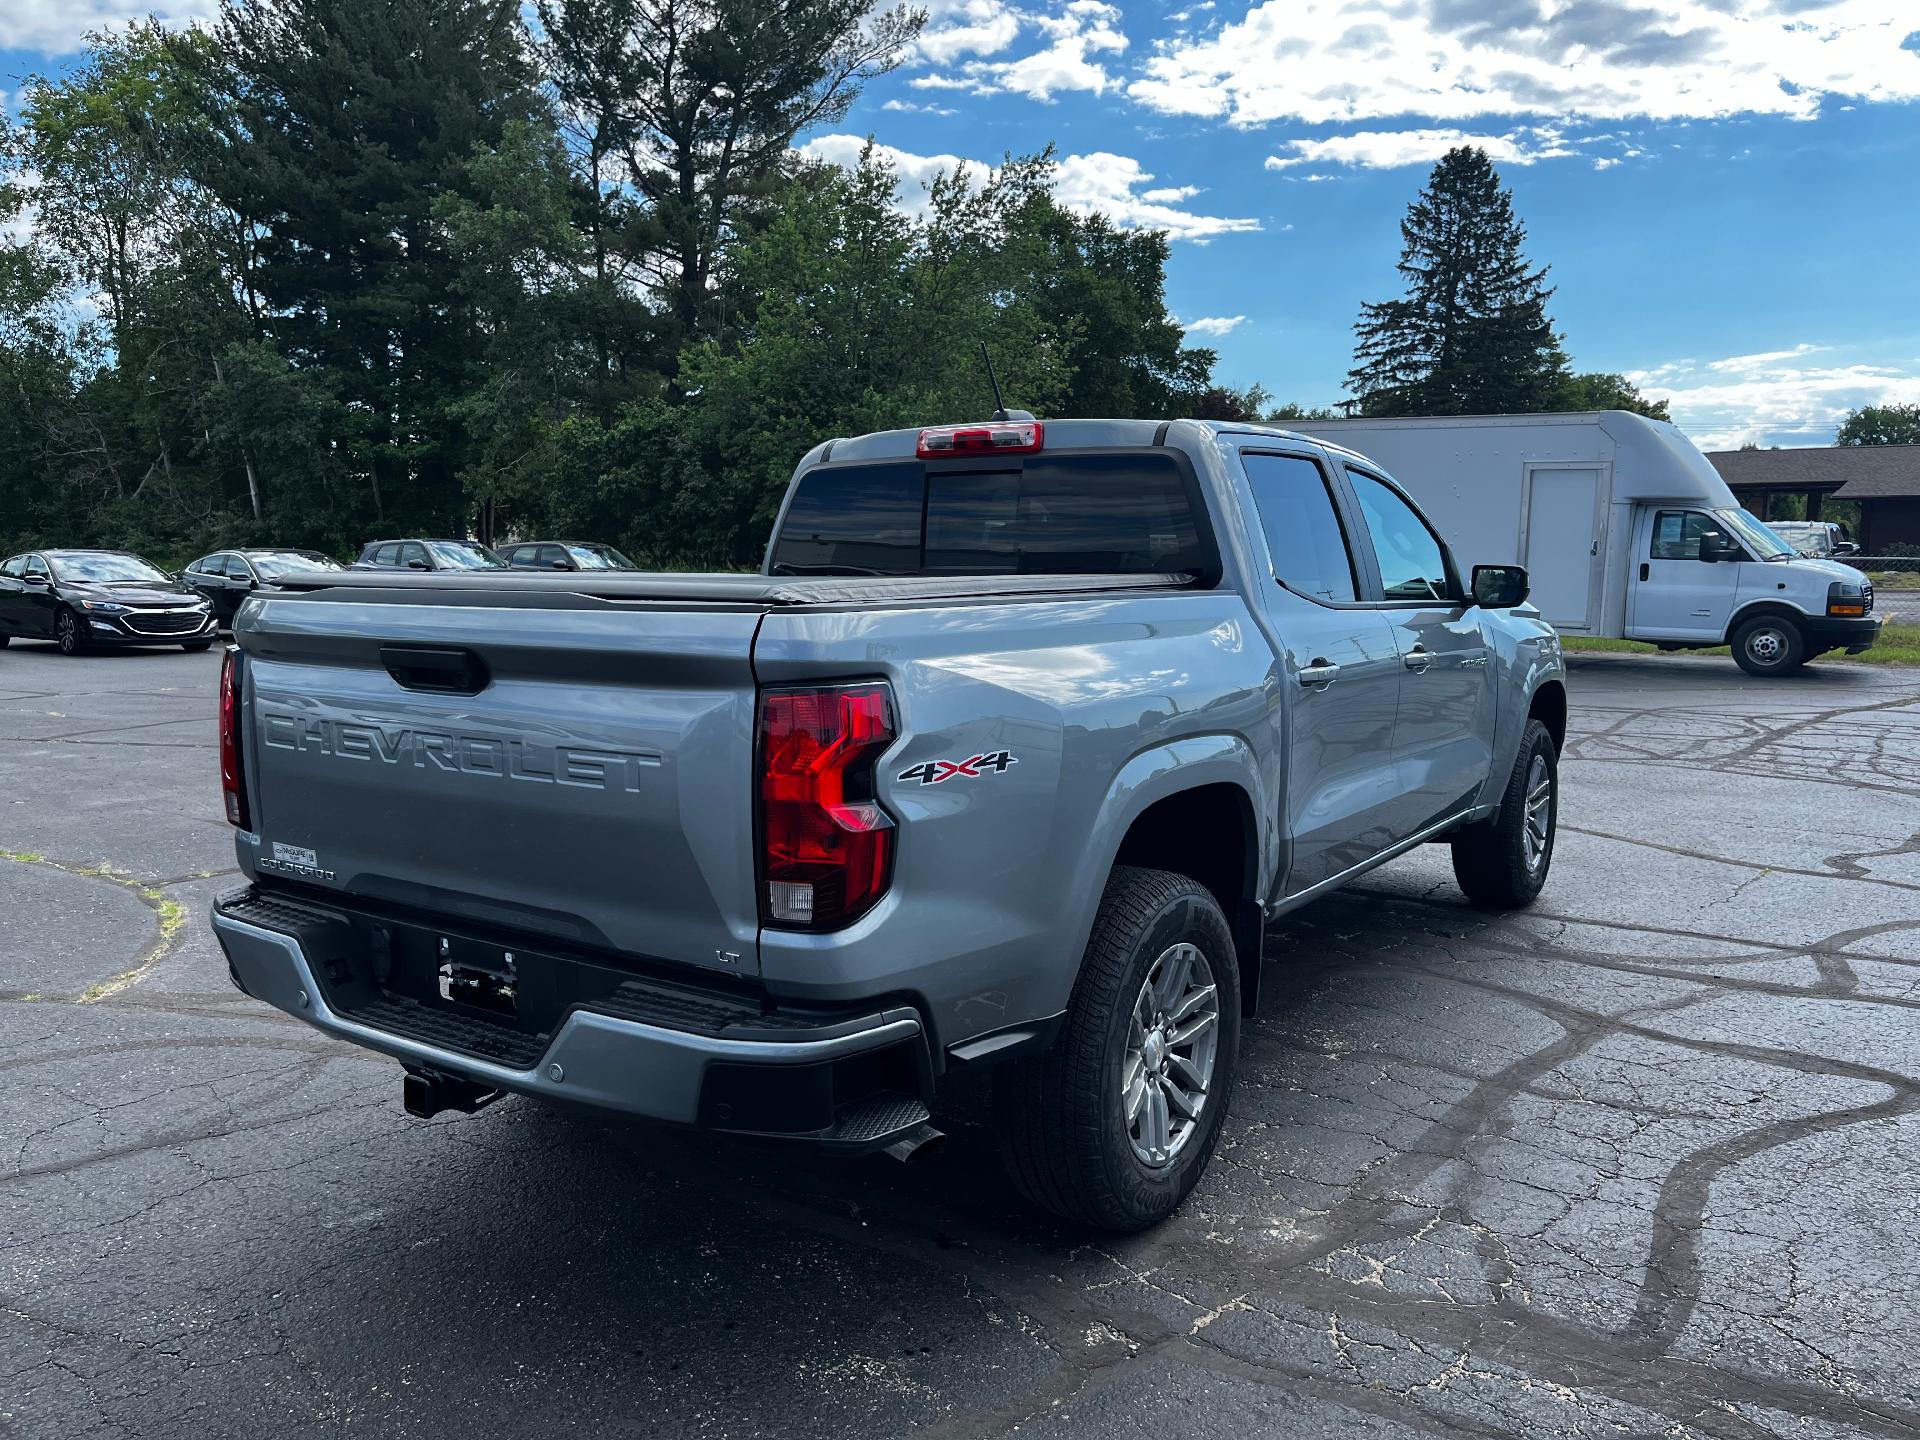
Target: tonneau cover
x=753, y=591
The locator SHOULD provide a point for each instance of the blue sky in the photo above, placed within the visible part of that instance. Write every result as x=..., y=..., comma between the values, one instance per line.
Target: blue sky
x=1725, y=189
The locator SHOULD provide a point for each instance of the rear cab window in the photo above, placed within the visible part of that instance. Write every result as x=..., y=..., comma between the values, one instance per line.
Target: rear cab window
x=1109, y=512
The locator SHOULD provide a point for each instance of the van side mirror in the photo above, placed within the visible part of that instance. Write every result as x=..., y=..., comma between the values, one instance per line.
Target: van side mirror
x=1499, y=587
x=1846, y=547
x=1715, y=547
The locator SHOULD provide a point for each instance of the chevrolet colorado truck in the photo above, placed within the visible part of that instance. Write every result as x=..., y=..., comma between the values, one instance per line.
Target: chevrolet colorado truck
x=1022, y=738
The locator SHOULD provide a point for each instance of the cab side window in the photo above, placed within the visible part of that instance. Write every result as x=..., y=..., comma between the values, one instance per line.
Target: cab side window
x=1677, y=534
x=1412, y=561
x=413, y=552
x=1309, y=550
x=14, y=568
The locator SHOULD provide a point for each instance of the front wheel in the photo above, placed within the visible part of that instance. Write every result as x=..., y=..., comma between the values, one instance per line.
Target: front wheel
x=68, y=634
x=1769, y=645
x=1114, y=1125
x=1502, y=863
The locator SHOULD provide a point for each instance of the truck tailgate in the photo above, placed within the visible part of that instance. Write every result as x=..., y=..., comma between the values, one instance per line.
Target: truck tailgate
x=595, y=786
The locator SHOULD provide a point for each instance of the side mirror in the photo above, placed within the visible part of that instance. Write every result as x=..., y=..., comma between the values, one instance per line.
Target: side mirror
x=1846, y=547
x=1499, y=587
x=35, y=579
x=558, y=565
x=416, y=564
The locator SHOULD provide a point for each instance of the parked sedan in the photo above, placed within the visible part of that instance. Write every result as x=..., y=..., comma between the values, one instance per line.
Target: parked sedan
x=80, y=599
x=230, y=576
x=564, y=555
x=427, y=555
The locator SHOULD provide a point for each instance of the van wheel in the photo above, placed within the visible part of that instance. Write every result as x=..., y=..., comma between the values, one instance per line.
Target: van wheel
x=1502, y=863
x=1113, y=1126
x=1769, y=645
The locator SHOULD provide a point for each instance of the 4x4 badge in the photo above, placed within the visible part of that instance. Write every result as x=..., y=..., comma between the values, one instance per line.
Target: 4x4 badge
x=932, y=772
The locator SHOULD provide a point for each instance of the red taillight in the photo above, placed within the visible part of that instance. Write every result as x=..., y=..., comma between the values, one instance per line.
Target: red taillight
x=232, y=780
x=826, y=846
x=1017, y=437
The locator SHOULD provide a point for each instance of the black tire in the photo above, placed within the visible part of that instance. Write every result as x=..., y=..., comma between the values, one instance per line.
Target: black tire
x=1493, y=859
x=1064, y=1133
x=1769, y=645
x=68, y=633
x=194, y=647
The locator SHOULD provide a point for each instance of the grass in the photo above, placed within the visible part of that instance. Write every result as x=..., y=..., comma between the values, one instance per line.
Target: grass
x=1898, y=645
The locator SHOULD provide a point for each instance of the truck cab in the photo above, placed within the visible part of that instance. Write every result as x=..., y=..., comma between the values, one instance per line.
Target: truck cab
x=1714, y=576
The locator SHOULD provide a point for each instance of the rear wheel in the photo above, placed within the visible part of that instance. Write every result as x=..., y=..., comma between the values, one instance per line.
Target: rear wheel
x=1502, y=863
x=1115, y=1124
x=68, y=633
x=1769, y=645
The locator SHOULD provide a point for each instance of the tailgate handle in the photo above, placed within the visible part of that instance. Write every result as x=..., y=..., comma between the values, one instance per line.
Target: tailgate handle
x=443, y=671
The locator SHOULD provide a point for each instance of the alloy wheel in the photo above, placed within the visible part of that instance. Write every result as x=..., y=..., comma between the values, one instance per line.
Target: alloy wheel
x=1539, y=831
x=1172, y=1038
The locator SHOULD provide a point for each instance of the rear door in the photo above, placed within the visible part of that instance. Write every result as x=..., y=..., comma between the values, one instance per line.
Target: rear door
x=579, y=773
x=1443, y=727
x=1561, y=546
x=1675, y=594
x=1342, y=674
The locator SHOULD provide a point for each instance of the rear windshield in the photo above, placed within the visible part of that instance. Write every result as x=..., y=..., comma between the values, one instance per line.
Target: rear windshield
x=1125, y=513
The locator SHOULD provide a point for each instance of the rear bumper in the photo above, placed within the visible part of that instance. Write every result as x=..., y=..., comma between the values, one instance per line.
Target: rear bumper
x=1825, y=632
x=825, y=1084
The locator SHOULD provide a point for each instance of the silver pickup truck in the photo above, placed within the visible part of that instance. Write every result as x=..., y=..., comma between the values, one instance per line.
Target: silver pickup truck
x=1022, y=739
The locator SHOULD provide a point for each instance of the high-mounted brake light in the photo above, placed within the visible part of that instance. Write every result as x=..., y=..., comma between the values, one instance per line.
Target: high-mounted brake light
x=826, y=846
x=1016, y=437
x=233, y=780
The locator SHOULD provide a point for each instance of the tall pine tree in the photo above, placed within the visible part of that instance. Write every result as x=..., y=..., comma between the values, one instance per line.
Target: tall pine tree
x=346, y=125
x=1472, y=335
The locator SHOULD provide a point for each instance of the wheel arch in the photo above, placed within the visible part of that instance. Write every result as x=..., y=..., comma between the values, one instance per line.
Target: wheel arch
x=1548, y=705
x=1192, y=807
x=1753, y=609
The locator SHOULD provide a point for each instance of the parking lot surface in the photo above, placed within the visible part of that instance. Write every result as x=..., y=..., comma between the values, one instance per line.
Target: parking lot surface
x=1639, y=1162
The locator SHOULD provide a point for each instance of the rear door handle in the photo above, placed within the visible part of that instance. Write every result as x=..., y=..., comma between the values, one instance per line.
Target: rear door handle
x=1418, y=658
x=1645, y=571
x=1318, y=674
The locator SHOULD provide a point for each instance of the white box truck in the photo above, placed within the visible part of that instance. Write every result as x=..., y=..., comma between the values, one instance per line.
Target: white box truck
x=1625, y=530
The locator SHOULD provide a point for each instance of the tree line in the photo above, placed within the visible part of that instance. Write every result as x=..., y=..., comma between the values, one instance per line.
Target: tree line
x=331, y=269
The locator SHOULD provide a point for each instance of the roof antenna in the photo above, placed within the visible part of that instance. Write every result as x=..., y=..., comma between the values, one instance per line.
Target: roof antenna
x=999, y=405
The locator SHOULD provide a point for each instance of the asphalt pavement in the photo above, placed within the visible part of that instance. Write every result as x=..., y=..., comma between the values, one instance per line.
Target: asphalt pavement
x=1639, y=1162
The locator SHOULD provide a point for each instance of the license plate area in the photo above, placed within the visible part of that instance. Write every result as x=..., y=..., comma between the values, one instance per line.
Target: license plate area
x=480, y=981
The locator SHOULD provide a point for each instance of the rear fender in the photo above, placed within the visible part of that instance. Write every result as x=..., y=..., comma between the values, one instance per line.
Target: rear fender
x=1154, y=775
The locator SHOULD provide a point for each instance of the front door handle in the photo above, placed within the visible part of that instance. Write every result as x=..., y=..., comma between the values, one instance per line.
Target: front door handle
x=1418, y=658
x=1318, y=674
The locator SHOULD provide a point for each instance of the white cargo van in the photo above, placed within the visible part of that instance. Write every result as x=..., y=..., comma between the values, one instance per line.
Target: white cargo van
x=1625, y=529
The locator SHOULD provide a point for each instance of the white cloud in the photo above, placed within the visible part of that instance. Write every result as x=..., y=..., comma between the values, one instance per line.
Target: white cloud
x=1340, y=61
x=1171, y=195
x=966, y=27
x=1796, y=396
x=907, y=107
x=1388, y=149
x=1214, y=324
x=59, y=27
x=1113, y=185
x=1078, y=35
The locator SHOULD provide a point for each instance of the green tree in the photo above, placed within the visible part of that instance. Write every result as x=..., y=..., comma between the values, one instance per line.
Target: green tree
x=1880, y=425
x=343, y=124
x=1607, y=392
x=1472, y=334
x=684, y=112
